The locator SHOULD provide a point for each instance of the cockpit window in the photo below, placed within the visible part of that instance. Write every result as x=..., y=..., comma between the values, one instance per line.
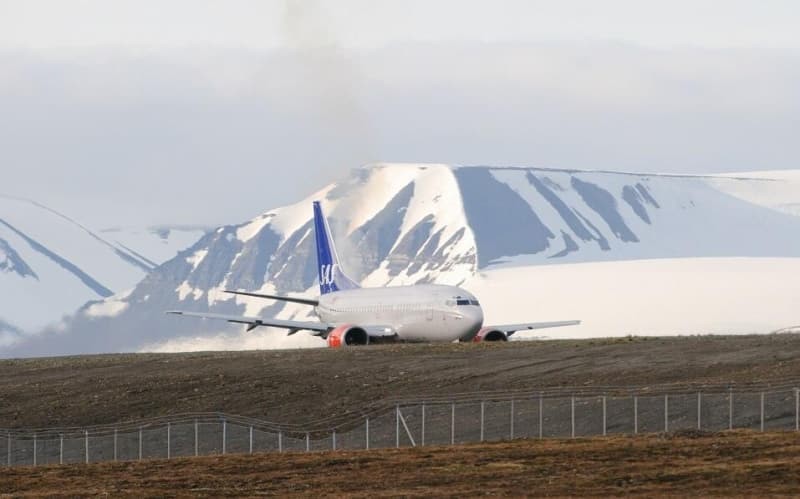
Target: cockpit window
x=466, y=302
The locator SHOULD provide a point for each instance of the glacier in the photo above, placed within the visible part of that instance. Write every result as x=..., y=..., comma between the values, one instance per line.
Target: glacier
x=629, y=253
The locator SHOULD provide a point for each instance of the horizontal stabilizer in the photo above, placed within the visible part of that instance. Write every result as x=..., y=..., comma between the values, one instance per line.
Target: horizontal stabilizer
x=293, y=299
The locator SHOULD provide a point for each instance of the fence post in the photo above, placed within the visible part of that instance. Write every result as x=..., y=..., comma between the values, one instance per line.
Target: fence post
x=666, y=413
x=408, y=431
x=224, y=435
x=308, y=442
x=87, y=445
x=280, y=440
x=422, y=437
x=604, y=416
x=251, y=438
x=797, y=409
x=115, y=444
x=511, y=430
x=730, y=408
x=8, y=455
x=366, y=433
x=60, y=449
x=452, y=423
x=572, y=416
x=140, y=443
x=397, y=426
x=483, y=410
x=169, y=448
x=196, y=440
x=333, y=440
x=635, y=414
x=541, y=416
x=762, y=411
x=699, y=407
x=34, y=449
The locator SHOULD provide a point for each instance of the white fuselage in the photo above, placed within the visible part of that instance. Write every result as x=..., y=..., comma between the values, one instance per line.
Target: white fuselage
x=426, y=312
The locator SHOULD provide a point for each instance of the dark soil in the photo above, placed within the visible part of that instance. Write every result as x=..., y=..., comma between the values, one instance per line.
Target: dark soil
x=304, y=385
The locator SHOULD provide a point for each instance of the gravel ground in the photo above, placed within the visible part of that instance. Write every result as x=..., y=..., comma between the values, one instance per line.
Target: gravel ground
x=304, y=385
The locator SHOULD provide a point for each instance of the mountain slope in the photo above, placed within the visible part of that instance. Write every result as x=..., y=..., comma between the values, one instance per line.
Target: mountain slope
x=50, y=264
x=404, y=224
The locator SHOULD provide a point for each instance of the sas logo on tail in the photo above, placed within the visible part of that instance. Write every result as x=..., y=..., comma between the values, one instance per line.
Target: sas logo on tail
x=327, y=274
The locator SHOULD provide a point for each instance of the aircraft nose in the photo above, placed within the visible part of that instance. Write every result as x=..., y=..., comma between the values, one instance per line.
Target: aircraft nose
x=475, y=316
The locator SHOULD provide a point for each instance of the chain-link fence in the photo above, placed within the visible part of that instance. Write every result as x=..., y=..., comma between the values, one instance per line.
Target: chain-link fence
x=438, y=420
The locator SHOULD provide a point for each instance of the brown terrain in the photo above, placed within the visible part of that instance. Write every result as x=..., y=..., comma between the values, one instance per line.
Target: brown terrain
x=728, y=464
x=304, y=385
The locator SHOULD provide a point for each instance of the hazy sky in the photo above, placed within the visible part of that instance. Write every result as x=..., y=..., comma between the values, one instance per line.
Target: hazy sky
x=145, y=112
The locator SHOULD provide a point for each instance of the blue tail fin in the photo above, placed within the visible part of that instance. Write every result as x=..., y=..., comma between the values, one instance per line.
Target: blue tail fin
x=331, y=277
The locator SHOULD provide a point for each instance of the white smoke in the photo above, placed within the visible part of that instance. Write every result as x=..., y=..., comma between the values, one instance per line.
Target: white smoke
x=329, y=77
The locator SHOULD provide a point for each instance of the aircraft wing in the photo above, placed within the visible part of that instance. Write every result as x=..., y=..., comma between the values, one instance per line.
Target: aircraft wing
x=510, y=329
x=321, y=328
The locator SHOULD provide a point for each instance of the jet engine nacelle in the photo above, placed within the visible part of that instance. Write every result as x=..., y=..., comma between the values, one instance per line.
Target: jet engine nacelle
x=489, y=334
x=347, y=335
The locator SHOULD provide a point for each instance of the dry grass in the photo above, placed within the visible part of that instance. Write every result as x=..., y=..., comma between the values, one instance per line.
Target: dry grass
x=729, y=464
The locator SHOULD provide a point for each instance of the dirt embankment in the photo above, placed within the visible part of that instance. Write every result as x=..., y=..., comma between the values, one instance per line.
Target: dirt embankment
x=302, y=385
x=727, y=464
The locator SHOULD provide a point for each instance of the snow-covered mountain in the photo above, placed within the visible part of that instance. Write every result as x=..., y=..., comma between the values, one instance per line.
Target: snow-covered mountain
x=537, y=244
x=50, y=264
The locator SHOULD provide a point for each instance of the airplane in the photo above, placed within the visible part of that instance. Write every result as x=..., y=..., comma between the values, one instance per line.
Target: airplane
x=351, y=315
